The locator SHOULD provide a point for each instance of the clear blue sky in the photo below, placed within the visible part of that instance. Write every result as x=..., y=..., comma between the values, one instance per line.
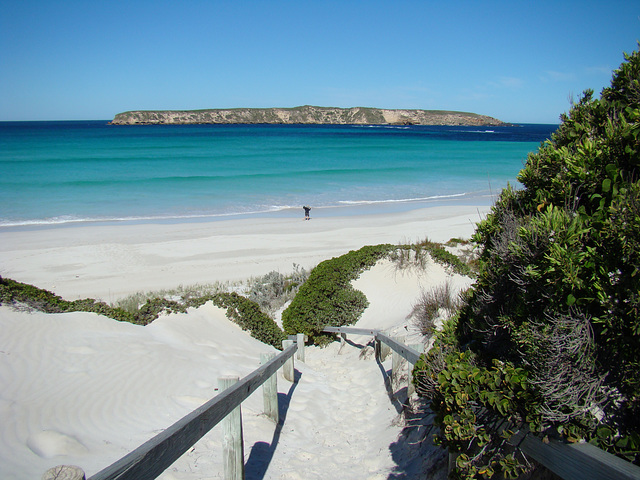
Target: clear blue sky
x=519, y=61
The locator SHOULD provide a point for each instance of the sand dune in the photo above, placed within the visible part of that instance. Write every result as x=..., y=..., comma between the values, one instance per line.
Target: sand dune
x=82, y=389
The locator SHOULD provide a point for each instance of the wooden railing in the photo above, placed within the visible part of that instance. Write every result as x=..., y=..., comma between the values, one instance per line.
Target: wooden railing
x=580, y=461
x=384, y=344
x=153, y=457
x=571, y=461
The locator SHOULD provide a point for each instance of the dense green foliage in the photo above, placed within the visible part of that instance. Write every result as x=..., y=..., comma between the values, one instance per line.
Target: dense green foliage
x=471, y=402
x=244, y=312
x=557, y=298
x=327, y=297
x=12, y=292
x=248, y=316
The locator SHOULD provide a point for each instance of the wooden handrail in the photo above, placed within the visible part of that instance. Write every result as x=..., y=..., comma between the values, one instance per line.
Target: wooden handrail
x=352, y=330
x=404, y=351
x=580, y=461
x=571, y=461
x=577, y=461
x=401, y=349
x=156, y=455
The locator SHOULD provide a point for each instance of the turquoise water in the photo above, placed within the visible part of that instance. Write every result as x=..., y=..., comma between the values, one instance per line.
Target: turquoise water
x=62, y=172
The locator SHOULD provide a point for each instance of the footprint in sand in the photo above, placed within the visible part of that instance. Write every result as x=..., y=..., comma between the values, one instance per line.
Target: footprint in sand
x=49, y=443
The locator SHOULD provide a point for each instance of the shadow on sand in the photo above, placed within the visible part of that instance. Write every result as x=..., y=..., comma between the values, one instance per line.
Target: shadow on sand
x=413, y=452
x=397, y=398
x=262, y=452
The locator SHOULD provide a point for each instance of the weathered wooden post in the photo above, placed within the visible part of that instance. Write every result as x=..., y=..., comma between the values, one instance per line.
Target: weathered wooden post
x=411, y=389
x=288, y=367
x=343, y=342
x=232, y=441
x=64, y=472
x=300, y=342
x=270, y=391
x=383, y=350
x=396, y=361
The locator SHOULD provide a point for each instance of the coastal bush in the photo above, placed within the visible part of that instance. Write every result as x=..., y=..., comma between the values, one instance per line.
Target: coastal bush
x=30, y=297
x=244, y=312
x=557, y=301
x=469, y=399
x=417, y=255
x=430, y=306
x=274, y=289
x=327, y=297
x=248, y=315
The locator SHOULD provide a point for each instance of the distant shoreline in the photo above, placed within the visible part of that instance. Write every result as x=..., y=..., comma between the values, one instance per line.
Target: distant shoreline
x=111, y=261
x=356, y=209
x=305, y=115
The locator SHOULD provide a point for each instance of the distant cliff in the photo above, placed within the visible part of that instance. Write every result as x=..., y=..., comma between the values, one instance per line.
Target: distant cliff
x=304, y=115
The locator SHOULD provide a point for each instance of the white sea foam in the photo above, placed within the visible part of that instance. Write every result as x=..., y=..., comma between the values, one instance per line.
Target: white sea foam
x=401, y=200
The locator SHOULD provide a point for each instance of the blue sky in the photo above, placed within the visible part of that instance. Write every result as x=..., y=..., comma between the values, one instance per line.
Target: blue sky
x=519, y=61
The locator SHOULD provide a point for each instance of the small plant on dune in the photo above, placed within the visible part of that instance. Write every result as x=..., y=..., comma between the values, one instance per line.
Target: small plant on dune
x=274, y=289
x=438, y=302
x=416, y=255
x=402, y=257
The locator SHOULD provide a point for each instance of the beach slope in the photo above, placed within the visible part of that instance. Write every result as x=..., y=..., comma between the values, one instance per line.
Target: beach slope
x=79, y=388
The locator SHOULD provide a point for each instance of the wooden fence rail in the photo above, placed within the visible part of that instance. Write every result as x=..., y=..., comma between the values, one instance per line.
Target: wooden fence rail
x=153, y=457
x=570, y=461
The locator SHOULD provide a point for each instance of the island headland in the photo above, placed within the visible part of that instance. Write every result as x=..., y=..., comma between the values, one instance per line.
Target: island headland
x=306, y=114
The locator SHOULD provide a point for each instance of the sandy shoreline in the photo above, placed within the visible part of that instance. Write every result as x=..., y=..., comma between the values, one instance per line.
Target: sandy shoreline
x=108, y=262
x=82, y=389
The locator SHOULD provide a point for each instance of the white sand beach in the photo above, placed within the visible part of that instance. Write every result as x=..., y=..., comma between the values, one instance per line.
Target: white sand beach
x=85, y=390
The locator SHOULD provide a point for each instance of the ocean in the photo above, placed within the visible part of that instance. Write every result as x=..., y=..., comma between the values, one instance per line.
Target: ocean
x=89, y=171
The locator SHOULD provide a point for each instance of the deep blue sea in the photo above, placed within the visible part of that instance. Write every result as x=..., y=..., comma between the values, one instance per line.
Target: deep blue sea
x=87, y=171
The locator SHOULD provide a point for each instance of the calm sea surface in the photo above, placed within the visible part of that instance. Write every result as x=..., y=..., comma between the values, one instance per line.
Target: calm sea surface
x=62, y=172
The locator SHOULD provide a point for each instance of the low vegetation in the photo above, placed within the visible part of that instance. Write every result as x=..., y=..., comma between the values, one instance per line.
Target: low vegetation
x=548, y=338
x=270, y=291
x=322, y=297
x=437, y=303
x=327, y=297
x=275, y=290
x=30, y=297
x=418, y=254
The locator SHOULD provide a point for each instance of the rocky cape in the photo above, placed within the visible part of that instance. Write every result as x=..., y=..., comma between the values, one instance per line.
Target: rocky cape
x=303, y=115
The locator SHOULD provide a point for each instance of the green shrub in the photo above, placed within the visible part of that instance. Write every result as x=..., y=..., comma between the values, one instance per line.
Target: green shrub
x=468, y=399
x=566, y=250
x=327, y=297
x=244, y=312
x=557, y=294
x=12, y=292
x=248, y=316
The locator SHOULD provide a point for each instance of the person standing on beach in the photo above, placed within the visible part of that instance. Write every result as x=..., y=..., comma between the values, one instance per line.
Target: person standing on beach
x=306, y=212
